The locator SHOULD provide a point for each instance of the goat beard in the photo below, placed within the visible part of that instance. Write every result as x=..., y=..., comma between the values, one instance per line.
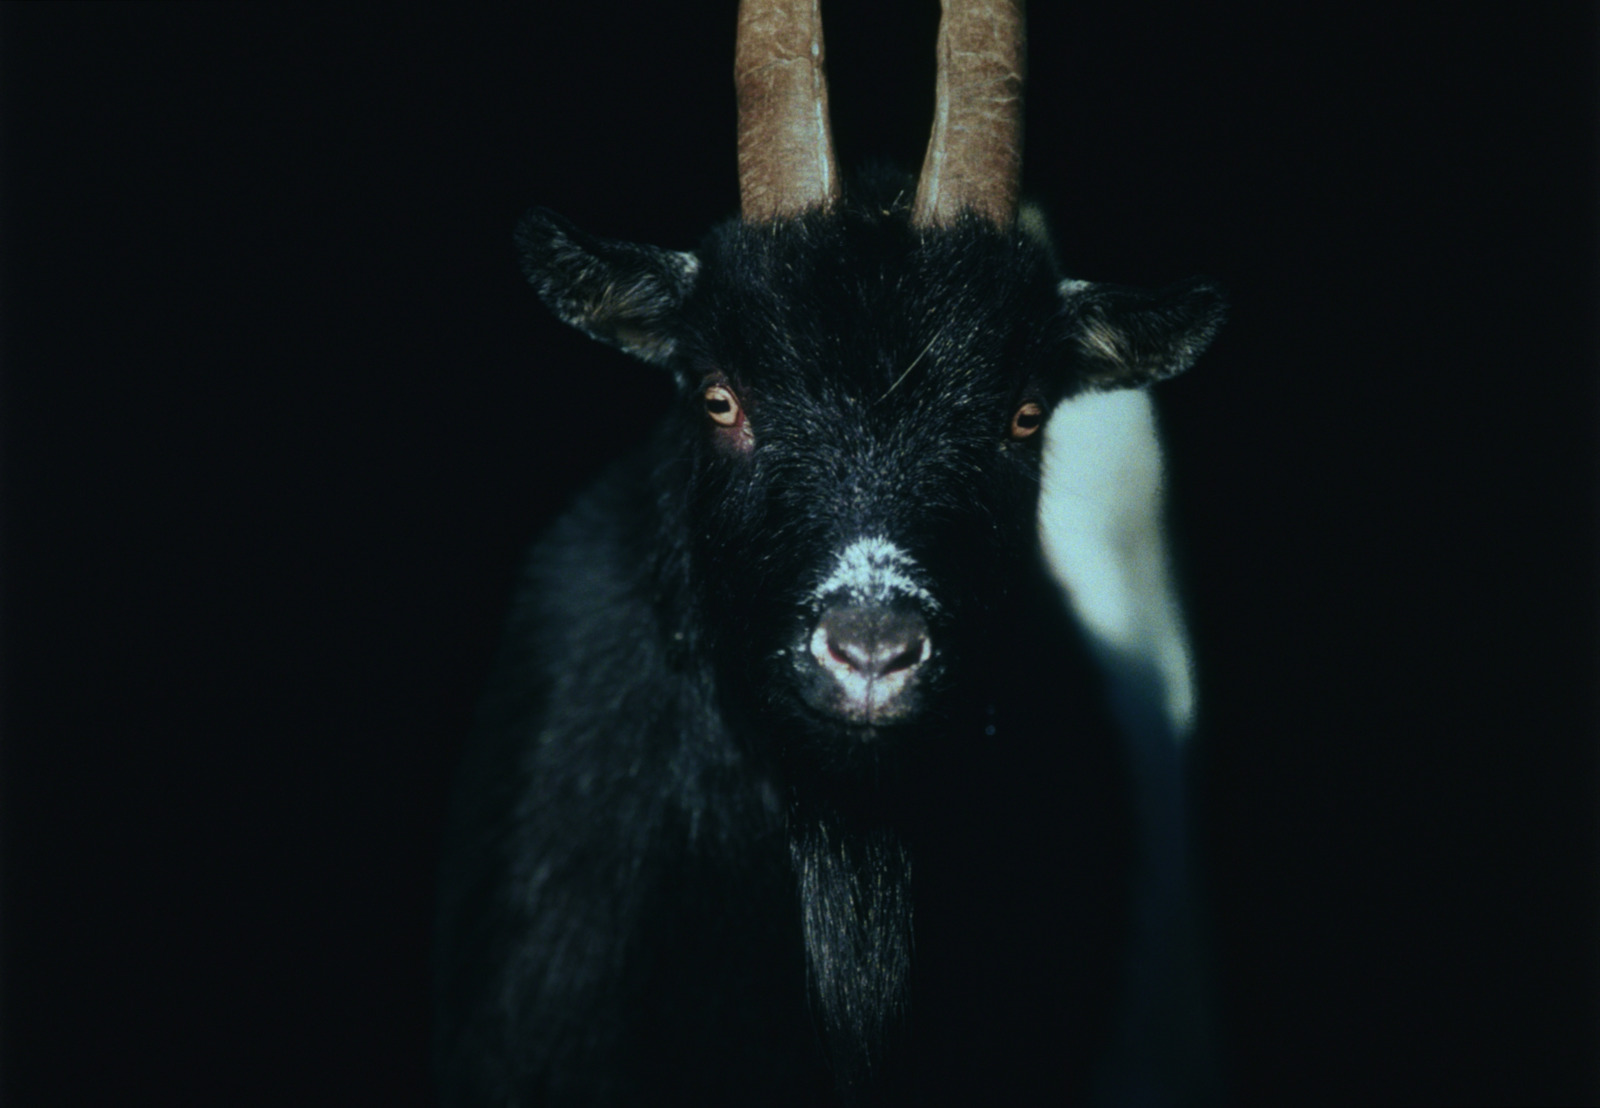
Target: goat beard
x=855, y=902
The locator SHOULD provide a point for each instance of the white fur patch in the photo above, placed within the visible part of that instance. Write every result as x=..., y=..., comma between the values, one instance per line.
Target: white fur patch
x=1100, y=520
x=873, y=570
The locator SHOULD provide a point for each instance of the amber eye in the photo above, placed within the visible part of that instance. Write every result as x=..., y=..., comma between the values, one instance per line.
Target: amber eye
x=721, y=405
x=1029, y=418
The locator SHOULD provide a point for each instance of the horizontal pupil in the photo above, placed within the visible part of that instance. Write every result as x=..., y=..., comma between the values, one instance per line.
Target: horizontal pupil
x=1027, y=419
x=718, y=404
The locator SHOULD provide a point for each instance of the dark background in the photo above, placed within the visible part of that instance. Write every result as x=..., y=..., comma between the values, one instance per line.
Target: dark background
x=279, y=417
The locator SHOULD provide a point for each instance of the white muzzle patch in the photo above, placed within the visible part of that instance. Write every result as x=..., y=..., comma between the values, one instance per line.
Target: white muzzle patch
x=871, y=571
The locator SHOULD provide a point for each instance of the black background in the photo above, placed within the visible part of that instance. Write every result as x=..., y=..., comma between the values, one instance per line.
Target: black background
x=279, y=417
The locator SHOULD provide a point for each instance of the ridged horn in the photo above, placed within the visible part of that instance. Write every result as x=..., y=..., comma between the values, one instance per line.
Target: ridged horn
x=786, y=162
x=974, y=158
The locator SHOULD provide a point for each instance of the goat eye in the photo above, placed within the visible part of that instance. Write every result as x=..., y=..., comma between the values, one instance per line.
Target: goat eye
x=721, y=405
x=1028, y=419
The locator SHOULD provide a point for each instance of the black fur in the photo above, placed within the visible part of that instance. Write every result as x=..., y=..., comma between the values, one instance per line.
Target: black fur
x=670, y=878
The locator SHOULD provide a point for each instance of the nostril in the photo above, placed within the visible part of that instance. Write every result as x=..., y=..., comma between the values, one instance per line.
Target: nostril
x=877, y=658
x=874, y=642
x=851, y=654
x=910, y=654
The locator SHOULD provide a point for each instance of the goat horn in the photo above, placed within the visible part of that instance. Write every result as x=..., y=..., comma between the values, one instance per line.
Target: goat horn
x=786, y=162
x=974, y=159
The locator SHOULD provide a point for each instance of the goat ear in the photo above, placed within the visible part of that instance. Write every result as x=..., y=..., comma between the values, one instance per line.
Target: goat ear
x=622, y=293
x=1124, y=338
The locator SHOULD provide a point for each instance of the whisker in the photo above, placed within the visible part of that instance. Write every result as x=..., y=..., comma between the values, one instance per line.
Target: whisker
x=909, y=368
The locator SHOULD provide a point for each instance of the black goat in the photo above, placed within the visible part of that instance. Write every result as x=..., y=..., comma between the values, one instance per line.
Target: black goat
x=796, y=782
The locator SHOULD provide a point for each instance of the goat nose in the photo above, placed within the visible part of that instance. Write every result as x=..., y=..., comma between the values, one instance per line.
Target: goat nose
x=869, y=660
x=872, y=642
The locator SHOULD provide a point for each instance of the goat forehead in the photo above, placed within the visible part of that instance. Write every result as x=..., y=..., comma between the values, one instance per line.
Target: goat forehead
x=877, y=386
x=852, y=303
